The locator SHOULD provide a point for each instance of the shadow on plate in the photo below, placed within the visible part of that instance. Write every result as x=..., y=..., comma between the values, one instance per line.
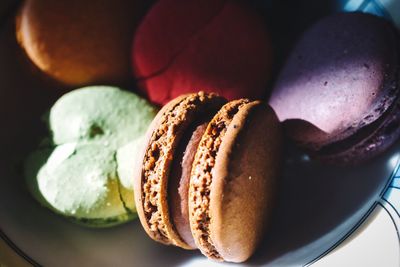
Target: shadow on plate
x=319, y=204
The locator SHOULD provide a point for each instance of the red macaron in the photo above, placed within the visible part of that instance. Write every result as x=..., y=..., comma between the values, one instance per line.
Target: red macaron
x=218, y=46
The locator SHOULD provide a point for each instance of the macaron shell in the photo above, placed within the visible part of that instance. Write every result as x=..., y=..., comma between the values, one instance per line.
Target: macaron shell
x=245, y=177
x=126, y=157
x=137, y=185
x=149, y=57
x=385, y=132
x=202, y=175
x=81, y=182
x=103, y=114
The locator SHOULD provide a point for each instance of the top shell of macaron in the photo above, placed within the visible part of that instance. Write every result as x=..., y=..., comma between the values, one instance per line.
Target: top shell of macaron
x=96, y=113
x=341, y=75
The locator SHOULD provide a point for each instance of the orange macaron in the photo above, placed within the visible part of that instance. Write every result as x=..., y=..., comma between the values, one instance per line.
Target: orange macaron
x=80, y=42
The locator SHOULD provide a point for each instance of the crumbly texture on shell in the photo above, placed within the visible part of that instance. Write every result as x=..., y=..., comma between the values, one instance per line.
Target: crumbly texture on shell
x=201, y=177
x=158, y=158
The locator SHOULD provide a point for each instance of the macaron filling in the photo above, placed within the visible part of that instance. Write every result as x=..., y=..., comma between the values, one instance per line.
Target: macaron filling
x=178, y=187
x=202, y=175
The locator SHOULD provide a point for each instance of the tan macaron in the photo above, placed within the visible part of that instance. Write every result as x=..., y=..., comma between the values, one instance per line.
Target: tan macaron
x=209, y=174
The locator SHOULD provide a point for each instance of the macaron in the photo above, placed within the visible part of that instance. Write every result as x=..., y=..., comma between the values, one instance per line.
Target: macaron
x=80, y=43
x=209, y=174
x=338, y=92
x=82, y=169
x=215, y=46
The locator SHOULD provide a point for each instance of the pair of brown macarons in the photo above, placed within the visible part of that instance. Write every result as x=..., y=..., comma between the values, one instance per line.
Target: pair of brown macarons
x=208, y=175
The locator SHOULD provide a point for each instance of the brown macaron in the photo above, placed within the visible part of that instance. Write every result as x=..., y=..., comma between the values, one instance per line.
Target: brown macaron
x=209, y=173
x=164, y=135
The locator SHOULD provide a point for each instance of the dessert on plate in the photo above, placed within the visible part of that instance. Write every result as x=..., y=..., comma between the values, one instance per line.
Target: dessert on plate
x=82, y=170
x=208, y=175
x=220, y=46
x=339, y=91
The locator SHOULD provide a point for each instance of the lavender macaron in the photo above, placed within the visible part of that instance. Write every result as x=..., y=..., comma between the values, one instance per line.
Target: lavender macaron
x=338, y=93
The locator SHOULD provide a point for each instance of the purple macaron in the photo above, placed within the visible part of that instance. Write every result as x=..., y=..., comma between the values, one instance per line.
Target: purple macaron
x=338, y=93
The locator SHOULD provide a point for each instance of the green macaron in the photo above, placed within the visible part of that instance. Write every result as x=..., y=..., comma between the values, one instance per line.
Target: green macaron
x=83, y=169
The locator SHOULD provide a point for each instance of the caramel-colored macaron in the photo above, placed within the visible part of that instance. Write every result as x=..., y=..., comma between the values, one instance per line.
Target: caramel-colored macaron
x=208, y=176
x=79, y=42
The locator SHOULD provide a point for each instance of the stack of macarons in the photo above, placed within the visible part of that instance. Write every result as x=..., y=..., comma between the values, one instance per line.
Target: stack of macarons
x=209, y=174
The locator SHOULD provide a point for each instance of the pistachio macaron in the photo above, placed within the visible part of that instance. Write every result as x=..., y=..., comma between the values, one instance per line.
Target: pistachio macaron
x=83, y=169
x=209, y=174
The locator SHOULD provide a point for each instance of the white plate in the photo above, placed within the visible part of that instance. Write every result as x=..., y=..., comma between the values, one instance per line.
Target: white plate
x=325, y=216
